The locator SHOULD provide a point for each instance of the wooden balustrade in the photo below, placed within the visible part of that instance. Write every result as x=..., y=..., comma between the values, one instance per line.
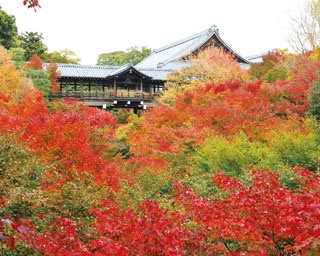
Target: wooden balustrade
x=101, y=95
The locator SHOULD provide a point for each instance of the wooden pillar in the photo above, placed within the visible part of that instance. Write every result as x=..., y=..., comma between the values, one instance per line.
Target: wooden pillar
x=81, y=89
x=96, y=89
x=141, y=88
x=115, y=87
x=103, y=92
x=61, y=89
x=150, y=90
x=66, y=88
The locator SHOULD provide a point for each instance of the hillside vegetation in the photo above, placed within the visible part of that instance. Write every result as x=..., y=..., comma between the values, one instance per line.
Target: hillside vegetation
x=227, y=165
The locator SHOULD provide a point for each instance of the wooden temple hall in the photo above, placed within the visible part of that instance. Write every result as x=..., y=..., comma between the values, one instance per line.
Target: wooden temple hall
x=136, y=86
x=110, y=87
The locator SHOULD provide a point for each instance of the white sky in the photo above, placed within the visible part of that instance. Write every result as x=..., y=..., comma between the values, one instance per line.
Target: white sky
x=90, y=28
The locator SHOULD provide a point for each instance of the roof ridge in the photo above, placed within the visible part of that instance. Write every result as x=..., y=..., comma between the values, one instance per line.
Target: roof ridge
x=121, y=68
x=187, y=39
x=83, y=66
x=156, y=69
x=234, y=52
x=210, y=32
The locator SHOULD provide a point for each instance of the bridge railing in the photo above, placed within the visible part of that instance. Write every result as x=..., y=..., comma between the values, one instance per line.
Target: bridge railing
x=100, y=95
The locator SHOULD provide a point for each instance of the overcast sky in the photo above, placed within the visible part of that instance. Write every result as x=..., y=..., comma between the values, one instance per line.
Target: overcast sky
x=90, y=28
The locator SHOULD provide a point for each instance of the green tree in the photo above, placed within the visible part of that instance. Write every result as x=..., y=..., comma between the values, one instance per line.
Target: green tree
x=20, y=177
x=111, y=59
x=63, y=56
x=137, y=54
x=8, y=29
x=118, y=58
x=278, y=72
x=269, y=61
x=41, y=81
x=32, y=43
x=18, y=56
x=314, y=100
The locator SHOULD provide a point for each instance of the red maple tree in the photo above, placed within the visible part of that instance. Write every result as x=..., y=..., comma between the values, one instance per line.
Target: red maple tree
x=265, y=218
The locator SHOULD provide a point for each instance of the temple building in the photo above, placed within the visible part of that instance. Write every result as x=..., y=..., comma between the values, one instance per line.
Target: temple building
x=131, y=86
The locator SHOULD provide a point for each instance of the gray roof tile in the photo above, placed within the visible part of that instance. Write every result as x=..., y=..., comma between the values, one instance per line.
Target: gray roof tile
x=157, y=66
x=165, y=56
x=156, y=73
x=86, y=71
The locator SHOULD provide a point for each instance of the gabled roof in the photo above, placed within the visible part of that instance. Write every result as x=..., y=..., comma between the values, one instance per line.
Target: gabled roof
x=128, y=68
x=83, y=71
x=158, y=65
x=157, y=73
x=169, y=55
x=105, y=72
x=258, y=57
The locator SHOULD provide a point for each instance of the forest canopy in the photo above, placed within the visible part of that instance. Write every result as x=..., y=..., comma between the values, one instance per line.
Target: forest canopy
x=76, y=181
x=228, y=164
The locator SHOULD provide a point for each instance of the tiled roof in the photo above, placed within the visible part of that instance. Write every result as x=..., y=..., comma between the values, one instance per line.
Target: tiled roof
x=157, y=73
x=131, y=68
x=258, y=57
x=120, y=69
x=169, y=55
x=158, y=65
x=86, y=71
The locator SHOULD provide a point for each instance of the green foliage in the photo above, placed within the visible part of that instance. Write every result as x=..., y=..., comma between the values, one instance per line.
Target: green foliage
x=314, y=100
x=21, y=175
x=41, y=81
x=298, y=149
x=121, y=114
x=238, y=156
x=81, y=183
x=148, y=185
x=137, y=54
x=18, y=166
x=32, y=43
x=18, y=56
x=269, y=61
x=63, y=56
x=111, y=59
x=234, y=157
x=218, y=154
x=8, y=29
x=278, y=72
x=118, y=58
x=75, y=199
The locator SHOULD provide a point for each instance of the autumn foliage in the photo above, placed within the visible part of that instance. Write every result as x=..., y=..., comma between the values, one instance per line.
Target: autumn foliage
x=32, y=4
x=229, y=166
x=35, y=62
x=211, y=66
x=276, y=223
